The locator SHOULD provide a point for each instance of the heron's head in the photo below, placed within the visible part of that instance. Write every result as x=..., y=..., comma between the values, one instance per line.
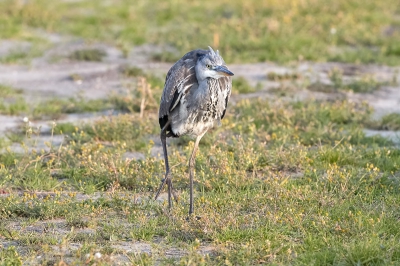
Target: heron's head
x=211, y=65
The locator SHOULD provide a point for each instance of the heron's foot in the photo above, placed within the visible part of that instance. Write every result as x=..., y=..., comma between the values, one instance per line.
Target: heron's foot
x=173, y=191
x=167, y=181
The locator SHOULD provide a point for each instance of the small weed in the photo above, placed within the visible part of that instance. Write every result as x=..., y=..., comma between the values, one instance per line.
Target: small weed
x=76, y=78
x=88, y=55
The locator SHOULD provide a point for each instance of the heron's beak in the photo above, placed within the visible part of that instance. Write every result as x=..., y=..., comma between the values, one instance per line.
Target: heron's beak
x=223, y=70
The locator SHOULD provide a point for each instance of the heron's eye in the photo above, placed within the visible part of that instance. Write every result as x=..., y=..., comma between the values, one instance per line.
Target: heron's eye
x=208, y=66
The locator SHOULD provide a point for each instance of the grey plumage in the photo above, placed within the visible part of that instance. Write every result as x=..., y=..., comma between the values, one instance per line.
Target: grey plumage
x=196, y=94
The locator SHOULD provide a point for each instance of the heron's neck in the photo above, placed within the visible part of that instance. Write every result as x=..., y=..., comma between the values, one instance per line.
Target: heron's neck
x=200, y=74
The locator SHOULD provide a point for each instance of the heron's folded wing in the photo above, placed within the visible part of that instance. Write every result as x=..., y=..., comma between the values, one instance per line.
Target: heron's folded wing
x=179, y=80
x=226, y=87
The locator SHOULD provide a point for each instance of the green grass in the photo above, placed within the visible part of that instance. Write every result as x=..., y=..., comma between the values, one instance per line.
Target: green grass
x=348, y=31
x=280, y=182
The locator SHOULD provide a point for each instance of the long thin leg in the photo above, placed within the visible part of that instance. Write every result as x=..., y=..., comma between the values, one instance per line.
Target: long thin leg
x=191, y=175
x=167, y=179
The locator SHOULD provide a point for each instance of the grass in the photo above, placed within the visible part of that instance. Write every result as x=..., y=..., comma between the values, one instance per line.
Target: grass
x=280, y=182
x=282, y=31
x=51, y=109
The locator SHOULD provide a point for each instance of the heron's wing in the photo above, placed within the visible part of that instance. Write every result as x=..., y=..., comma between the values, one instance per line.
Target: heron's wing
x=226, y=87
x=179, y=80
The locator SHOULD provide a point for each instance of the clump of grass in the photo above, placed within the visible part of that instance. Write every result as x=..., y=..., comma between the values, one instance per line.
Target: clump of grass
x=88, y=55
x=281, y=77
x=13, y=106
x=322, y=87
x=65, y=128
x=8, y=91
x=13, y=103
x=132, y=71
x=77, y=222
x=55, y=108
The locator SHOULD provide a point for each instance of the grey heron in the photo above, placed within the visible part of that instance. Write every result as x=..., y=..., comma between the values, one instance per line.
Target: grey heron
x=196, y=94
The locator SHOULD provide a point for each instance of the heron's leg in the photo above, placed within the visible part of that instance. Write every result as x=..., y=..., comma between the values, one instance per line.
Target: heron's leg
x=167, y=179
x=191, y=175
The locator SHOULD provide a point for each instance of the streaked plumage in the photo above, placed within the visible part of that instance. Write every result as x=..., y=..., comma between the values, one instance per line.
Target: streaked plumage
x=196, y=94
